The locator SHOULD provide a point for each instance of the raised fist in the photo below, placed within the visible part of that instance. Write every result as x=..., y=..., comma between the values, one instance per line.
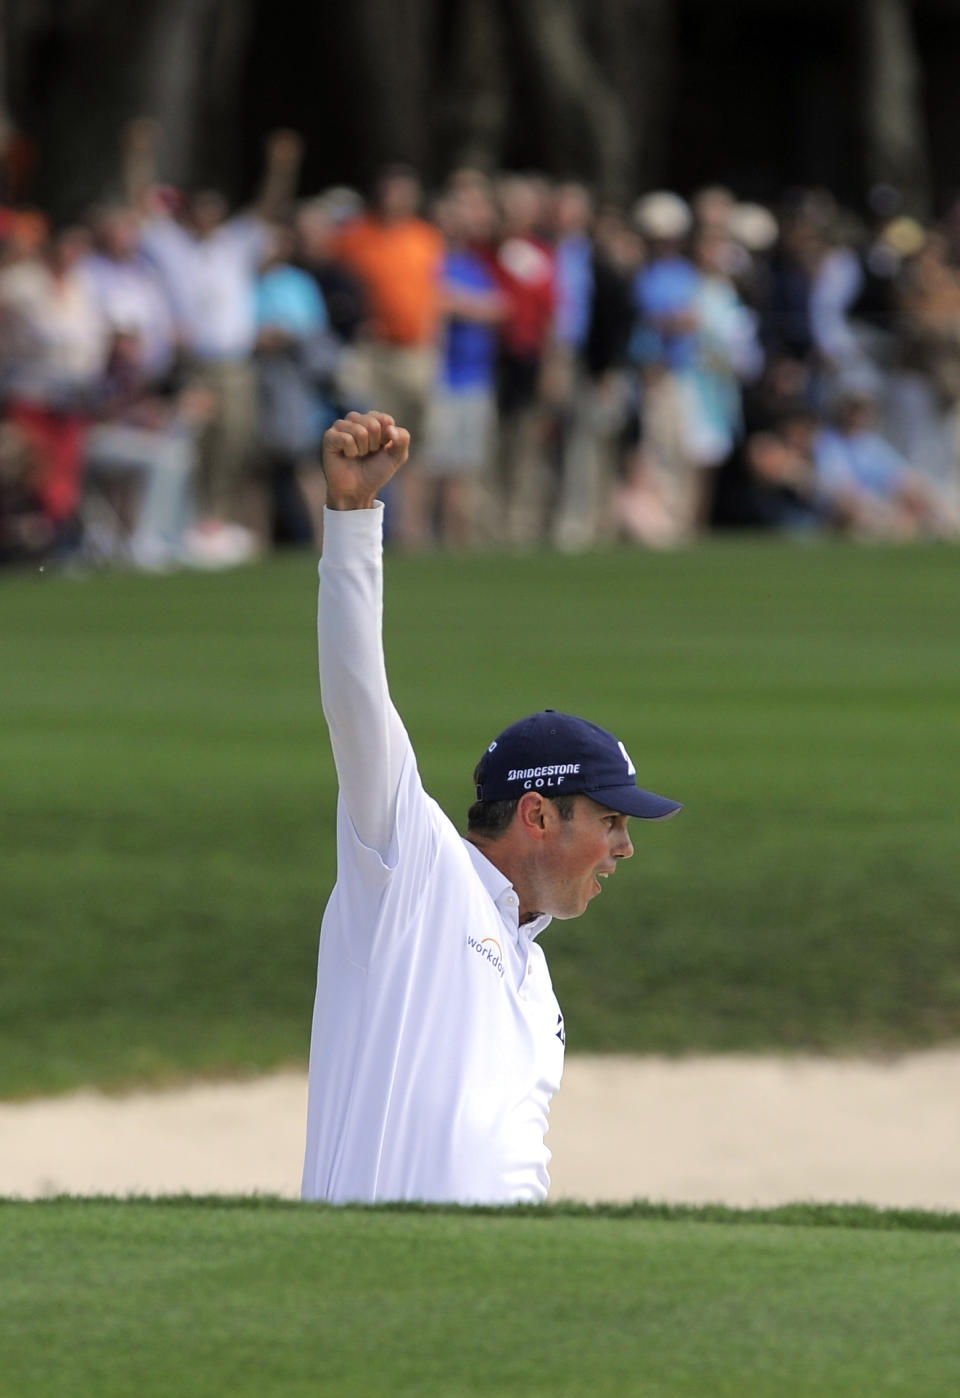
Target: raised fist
x=361, y=452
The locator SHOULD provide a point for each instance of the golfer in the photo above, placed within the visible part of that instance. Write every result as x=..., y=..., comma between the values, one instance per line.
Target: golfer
x=437, y=1039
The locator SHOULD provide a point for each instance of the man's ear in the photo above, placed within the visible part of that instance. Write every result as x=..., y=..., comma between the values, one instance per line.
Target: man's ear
x=532, y=814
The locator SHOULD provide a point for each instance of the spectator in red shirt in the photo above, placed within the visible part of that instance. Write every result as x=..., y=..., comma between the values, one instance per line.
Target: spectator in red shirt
x=524, y=269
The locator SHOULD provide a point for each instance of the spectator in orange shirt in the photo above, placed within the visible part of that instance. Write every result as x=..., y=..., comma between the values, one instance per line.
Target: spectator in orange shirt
x=399, y=259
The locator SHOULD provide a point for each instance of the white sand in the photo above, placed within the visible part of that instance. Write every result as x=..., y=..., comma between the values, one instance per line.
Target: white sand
x=738, y=1130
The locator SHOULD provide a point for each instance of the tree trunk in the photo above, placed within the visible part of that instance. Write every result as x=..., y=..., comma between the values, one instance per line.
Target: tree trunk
x=76, y=96
x=582, y=126
x=173, y=77
x=4, y=94
x=218, y=158
x=895, y=139
x=94, y=65
x=474, y=108
x=637, y=40
x=389, y=45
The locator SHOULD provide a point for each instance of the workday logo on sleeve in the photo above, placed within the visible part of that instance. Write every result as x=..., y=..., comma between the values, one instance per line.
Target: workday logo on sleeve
x=489, y=950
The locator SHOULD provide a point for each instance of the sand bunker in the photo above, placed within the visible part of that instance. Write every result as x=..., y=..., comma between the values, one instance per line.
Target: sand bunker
x=736, y=1130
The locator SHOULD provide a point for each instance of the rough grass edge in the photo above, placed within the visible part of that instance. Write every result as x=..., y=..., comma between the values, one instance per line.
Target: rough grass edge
x=802, y=1215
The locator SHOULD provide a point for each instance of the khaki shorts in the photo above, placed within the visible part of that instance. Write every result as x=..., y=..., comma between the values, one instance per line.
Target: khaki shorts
x=394, y=379
x=460, y=431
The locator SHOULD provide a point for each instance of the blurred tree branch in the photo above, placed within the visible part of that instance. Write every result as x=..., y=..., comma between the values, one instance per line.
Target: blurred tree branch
x=895, y=138
x=577, y=104
x=582, y=88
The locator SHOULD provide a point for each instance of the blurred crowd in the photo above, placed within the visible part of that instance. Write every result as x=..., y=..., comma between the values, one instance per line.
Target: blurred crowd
x=572, y=372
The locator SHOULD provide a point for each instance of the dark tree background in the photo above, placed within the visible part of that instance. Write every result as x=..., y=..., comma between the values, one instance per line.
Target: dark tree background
x=759, y=94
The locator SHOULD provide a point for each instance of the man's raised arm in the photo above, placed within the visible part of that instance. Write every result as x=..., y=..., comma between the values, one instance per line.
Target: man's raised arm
x=361, y=452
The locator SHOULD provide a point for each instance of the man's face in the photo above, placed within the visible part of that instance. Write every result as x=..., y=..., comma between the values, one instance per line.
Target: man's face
x=857, y=414
x=577, y=855
x=398, y=196
x=119, y=233
x=318, y=235
x=476, y=215
x=519, y=203
x=207, y=211
x=572, y=210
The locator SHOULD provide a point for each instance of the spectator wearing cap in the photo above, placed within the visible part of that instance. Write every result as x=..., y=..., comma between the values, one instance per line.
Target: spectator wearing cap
x=753, y=233
x=666, y=348
x=743, y=233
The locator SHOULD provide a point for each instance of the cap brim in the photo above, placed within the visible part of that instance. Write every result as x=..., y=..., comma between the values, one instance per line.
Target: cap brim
x=634, y=801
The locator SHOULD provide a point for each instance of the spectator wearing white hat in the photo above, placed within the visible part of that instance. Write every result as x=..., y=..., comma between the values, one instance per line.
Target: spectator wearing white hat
x=665, y=347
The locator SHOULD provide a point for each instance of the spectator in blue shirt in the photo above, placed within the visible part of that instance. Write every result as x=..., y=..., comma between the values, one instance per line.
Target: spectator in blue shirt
x=588, y=391
x=295, y=357
x=666, y=288
x=666, y=348
x=461, y=419
x=868, y=487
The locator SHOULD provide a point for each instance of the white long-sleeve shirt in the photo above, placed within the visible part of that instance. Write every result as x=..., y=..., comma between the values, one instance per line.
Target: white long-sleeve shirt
x=437, y=1038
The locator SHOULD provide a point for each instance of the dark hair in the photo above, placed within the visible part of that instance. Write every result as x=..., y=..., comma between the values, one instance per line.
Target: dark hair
x=491, y=818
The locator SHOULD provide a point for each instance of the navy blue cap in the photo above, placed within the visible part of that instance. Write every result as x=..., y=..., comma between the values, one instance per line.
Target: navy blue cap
x=558, y=754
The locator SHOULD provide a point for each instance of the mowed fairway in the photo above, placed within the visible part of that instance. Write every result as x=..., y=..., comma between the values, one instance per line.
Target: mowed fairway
x=210, y=1299
x=168, y=798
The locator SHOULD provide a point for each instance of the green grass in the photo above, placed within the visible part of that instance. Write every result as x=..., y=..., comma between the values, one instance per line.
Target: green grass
x=242, y=1298
x=167, y=801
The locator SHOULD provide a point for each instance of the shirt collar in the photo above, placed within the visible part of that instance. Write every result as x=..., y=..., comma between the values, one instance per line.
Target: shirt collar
x=504, y=895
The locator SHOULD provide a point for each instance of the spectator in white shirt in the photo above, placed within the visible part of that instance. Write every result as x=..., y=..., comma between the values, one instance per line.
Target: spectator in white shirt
x=53, y=347
x=209, y=264
x=129, y=290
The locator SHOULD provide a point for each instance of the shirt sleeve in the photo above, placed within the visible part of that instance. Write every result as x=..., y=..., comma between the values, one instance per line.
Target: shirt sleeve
x=836, y=286
x=167, y=249
x=834, y=476
x=370, y=744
